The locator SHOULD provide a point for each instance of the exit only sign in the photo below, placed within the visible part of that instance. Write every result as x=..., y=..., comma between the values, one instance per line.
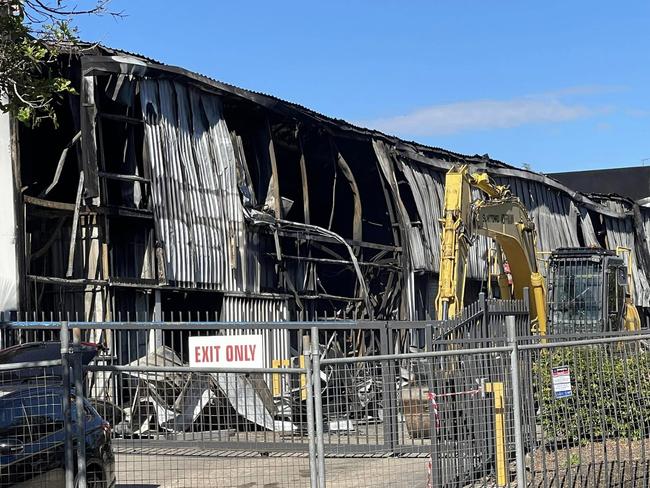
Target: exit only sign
x=236, y=351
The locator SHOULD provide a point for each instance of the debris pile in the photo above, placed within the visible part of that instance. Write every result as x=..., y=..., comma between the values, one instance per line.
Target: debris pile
x=148, y=400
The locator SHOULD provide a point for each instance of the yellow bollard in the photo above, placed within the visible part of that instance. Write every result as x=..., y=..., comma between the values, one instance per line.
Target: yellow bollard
x=277, y=381
x=303, y=381
x=277, y=378
x=500, y=432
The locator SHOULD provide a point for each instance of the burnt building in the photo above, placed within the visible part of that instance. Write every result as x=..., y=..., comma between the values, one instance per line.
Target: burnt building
x=163, y=191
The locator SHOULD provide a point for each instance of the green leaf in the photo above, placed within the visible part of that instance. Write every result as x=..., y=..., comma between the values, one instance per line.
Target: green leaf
x=24, y=115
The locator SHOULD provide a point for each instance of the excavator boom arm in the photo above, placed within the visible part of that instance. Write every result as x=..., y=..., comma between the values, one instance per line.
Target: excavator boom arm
x=455, y=241
x=501, y=217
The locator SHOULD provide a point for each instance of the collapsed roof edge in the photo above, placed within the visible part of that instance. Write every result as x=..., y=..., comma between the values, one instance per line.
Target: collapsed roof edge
x=136, y=64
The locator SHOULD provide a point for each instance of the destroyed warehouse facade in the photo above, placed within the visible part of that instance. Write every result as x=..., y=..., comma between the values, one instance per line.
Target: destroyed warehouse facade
x=163, y=191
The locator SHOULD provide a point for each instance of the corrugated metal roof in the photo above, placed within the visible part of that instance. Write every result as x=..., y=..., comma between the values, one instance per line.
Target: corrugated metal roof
x=340, y=123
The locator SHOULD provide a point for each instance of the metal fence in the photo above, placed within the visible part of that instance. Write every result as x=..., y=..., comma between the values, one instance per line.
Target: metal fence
x=590, y=411
x=345, y=404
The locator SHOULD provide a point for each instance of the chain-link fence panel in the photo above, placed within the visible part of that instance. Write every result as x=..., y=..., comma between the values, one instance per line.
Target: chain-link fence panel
x=590, y=412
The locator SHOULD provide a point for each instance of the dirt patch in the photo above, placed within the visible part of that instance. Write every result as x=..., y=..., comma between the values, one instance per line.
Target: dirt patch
x=615, y=462
x=612, y=450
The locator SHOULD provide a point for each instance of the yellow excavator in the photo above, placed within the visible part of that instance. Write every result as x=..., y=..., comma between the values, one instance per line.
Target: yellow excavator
x=588, y=289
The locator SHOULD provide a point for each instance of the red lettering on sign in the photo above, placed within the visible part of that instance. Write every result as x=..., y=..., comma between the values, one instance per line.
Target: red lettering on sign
x=234, y=353
x=207, y=354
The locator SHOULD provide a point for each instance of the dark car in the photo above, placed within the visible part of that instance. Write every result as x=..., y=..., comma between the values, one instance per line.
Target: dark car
x=38, y=351
x=32, y=433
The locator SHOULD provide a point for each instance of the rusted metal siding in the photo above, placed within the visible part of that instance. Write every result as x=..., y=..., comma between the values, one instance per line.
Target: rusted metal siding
x=194, y=185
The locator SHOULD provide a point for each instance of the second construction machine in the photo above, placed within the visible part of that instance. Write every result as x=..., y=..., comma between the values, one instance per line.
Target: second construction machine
x=587, y=289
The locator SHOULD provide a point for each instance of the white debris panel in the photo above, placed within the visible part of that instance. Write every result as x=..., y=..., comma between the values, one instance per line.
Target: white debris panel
x=173, y=402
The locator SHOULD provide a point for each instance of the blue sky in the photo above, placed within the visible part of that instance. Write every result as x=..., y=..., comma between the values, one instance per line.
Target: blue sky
x=557, y=85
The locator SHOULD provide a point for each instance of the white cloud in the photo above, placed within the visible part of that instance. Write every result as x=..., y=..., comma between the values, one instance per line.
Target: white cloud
x=480, y=114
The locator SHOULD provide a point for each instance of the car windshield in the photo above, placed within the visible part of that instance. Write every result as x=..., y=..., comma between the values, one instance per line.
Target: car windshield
x=31, y=414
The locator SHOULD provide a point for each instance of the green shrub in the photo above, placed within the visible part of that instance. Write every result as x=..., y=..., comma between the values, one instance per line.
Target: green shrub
x=610, y=394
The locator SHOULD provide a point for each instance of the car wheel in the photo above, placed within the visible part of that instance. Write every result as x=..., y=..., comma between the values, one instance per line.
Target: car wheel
x=95, y=478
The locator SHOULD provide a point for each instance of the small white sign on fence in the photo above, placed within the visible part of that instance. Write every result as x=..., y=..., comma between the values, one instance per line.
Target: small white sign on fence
x=233, y=351
x=561, y=377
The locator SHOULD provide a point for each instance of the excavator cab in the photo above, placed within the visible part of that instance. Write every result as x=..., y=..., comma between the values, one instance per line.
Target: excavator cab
x=586, y=291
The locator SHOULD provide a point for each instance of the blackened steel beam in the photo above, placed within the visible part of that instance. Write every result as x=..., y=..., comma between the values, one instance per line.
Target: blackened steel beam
x=277, y=203
x=88, y=137
x=314, y=237
x=336, y=261
x=75, y=226
x=303, y=178
x=121, y=177
x=49, y=204
x=120, y=118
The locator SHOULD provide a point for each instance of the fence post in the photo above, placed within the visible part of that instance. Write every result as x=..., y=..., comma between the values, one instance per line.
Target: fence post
x=81, y=416
x=313, y=467
x=516, y=400
x=485, y=318
x=318, y=407
x=436, y=478
x=389, y=393
x=64, y=338
x=4, y=332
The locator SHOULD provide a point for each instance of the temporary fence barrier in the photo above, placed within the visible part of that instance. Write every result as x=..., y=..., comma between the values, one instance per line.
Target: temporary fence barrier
x=339, y=404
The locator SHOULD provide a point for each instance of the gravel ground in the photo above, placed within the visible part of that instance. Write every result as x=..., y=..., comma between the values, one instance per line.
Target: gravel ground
x=165, y=471
x=611, y=463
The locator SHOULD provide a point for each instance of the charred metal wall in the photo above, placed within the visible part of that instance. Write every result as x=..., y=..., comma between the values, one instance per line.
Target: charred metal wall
x=164, y=191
